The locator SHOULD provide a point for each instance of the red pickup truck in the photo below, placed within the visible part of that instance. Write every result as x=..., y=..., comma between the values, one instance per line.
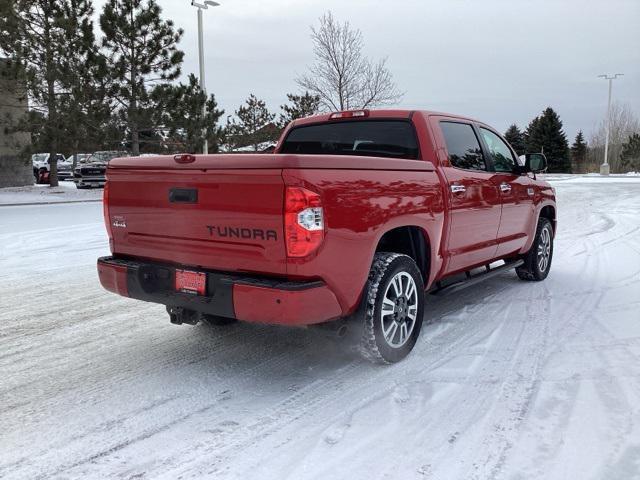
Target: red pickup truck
x=351, y=220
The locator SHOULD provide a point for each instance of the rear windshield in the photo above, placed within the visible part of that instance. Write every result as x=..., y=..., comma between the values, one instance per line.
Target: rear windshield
x=375, y=138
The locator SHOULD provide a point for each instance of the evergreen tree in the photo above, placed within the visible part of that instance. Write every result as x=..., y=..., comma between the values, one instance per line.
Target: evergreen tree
x=515, y=137
x=254, y=125
x=142, y=51
x=180, y=110
x=579, y=153
x=300, y=106
x=86, y=113
x=40, y=35
x=544, y=134
x=630, y=156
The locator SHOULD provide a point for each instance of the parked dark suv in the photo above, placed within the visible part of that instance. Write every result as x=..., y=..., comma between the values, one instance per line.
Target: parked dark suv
x=90, y=172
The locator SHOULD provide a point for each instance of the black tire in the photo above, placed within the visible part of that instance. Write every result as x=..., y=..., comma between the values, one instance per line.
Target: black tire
x=535, y=267
x=374, y=345
x=216, y=321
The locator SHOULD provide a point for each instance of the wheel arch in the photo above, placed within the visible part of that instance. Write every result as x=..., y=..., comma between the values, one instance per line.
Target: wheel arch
x=410, y=240
x=549, y=212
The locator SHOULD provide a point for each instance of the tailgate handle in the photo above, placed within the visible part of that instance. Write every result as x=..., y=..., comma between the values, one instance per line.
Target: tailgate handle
x=183, y=195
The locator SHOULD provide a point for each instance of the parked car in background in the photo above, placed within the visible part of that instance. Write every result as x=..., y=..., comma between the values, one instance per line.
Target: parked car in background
x=42, y=167
x=81, y=157
x=90, y=172
x=65, y=170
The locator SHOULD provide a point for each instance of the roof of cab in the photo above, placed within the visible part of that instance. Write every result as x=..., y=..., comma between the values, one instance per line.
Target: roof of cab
x=384, y=113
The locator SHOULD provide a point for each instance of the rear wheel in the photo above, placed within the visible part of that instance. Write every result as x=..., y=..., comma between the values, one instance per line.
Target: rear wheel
x=537, y=261
x=394, y=308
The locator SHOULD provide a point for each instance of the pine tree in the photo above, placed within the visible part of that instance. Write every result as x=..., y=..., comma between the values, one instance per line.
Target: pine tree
x=40, y=35
x=515, y=137
x=142, y=51
x=300, y=106
x=544, y=134
x=630, y=156
x=180, y=108
x=579, y=153
x=254, y=125
x=86, y=113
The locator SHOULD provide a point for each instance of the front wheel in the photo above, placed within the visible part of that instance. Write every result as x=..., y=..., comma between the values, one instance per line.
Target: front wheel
x=394, y=308
x=537, y=261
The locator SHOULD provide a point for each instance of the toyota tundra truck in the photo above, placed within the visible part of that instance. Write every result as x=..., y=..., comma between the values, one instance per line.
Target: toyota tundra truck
x=351, y=222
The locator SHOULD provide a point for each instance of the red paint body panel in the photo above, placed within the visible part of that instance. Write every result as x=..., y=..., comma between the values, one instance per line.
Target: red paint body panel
x=113, y=278
x=285, y=307
x=359, y=209
x=178, y=233
x=362, y=199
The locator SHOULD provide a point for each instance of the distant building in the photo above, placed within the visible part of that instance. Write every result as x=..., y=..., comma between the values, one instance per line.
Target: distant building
x=15, y=165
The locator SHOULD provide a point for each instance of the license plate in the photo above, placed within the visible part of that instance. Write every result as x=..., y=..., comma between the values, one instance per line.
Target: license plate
x=191, y=282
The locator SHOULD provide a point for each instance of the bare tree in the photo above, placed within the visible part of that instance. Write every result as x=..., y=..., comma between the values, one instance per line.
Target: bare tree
x=624, y=123
x=342, y=76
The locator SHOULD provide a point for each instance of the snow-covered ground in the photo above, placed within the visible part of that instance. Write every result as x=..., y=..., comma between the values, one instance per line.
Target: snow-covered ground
x=65, y=192
x=509, y=380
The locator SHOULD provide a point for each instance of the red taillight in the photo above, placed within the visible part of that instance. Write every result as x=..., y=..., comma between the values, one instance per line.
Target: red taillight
x=303, y=221
x=105, y=213
x=349, y=114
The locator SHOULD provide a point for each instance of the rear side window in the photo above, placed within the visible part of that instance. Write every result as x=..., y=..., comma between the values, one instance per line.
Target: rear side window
x=376, y=138
x=463, y=146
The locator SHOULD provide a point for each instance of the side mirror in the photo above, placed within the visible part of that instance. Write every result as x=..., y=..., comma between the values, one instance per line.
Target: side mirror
x=535, y=162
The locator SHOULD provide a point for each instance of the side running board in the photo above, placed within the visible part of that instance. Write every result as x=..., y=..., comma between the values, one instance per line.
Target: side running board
x=440, y=289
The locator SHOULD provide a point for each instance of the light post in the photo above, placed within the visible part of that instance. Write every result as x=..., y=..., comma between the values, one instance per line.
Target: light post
x=604, y=168
x=203, y=6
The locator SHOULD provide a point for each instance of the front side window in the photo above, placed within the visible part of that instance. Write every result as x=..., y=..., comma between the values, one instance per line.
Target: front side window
x=463, y=146
x=503, y=159
x=375, y=138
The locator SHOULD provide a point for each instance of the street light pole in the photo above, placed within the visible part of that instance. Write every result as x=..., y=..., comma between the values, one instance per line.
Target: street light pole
x=200, y=7
x=604, y=168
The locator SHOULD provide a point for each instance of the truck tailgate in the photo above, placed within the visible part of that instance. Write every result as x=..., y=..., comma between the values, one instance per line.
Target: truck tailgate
x=219, y=219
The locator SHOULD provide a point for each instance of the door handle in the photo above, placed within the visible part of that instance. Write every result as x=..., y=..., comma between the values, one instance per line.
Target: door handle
x=458, y=189
x=505, y=187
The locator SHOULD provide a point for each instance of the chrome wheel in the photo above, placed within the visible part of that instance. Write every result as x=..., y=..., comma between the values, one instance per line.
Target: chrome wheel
x=544, y=249
x=399, y=310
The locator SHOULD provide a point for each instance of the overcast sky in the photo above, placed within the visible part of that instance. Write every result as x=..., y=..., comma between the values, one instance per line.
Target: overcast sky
x=501, y=61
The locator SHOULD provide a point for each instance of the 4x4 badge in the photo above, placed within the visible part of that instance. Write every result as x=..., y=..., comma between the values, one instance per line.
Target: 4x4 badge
x=119, y=222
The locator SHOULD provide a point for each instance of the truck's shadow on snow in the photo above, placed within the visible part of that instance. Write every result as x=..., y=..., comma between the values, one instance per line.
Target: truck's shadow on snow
x=280, y=352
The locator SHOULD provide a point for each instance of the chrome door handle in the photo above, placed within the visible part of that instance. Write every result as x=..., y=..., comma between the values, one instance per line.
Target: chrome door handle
x=505, y=187
x=458, y=189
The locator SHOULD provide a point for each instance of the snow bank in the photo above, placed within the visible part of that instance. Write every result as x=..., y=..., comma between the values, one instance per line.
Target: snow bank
x=631, y=177
x=66, y=192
